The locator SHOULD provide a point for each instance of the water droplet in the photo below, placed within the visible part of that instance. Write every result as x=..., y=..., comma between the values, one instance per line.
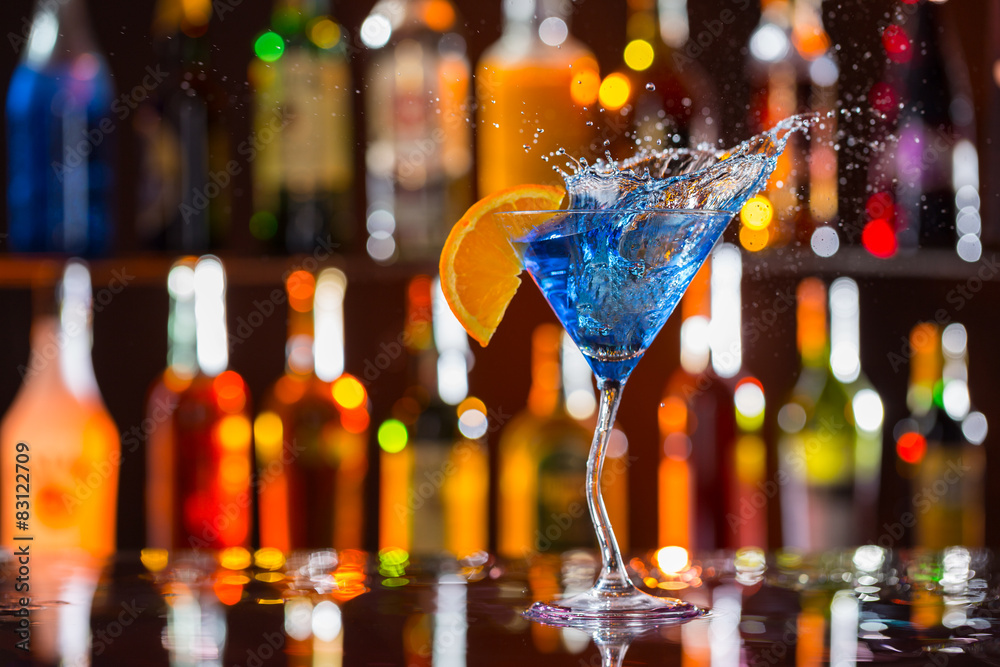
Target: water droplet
x=590, y=123
x=497, y=125
x=650, y=86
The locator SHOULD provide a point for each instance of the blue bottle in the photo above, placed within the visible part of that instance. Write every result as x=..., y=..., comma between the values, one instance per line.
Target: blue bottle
x=60, y=138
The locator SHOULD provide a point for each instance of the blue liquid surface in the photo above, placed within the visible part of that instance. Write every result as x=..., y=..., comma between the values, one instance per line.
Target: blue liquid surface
x=614, y=265
x=614, y=277
x=60, y=131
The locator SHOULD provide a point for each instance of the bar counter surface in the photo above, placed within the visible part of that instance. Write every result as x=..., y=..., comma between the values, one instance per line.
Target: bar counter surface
x=356, y=608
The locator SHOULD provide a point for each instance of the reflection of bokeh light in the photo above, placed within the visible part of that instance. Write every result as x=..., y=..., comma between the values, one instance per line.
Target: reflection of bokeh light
x=473, y=424
x=754, y=239
x=881, y=205
x=553, y=31
x=439, y=15
x=911, y=447
x=883, y=98
x=824, y=241
x=749, y=401
x=234, y=558
x=879, y=239
x=750, y=564
x=757, y=213
x=324, y=33
x=823, y=71
x=868, y=410
x=580, y=403
x=956, y=399
x=348, y=392
x=269, y=46
x=969, y=248
x=673, y=415
x=154, y=559
x=811, y=41
x=974, y=427
x=769, y=43
x=615, y=91
x=392, y=436
x=869, y=558
x=376, y=31
x=268, y=558
x=617, y=444
x=326, y=621
x=792, y=418
x=267, y=431
x=672, y=560
x=393, y=561
x=298, y=618
x=897, y=44
x=233, y=432
x=639, y=54
x=301, y=286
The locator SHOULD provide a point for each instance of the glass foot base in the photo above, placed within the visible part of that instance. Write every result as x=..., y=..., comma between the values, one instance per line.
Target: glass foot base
x=594, y=609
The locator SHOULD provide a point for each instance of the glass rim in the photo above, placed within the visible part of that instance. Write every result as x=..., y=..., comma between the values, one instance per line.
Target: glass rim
x=685, y=211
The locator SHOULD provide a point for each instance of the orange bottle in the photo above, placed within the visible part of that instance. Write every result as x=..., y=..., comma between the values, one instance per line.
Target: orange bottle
x=59, y=448
x=533, y=89
x=199, y=457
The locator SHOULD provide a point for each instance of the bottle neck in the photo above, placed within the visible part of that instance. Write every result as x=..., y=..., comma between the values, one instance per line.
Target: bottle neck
x=546, y=393
x=811, y=323
x=60, y=32
x=925, y=368
x=673, y=23
x=725, y=340
x=525, y=17
x=211, y=338
x=73, y=333
x=845, y=330
x=696, y=309
x=328, y=325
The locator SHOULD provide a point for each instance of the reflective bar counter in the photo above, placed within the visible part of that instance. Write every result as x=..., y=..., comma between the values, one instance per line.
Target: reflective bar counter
x=356, y=608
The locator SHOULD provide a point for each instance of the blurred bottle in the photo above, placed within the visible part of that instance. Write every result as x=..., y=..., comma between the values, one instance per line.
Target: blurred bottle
x=434, y=486
x=60, y=126
x=186, y=170
x=419, y=152
x=57, y=437
x=792, y=70
x=925, y=188
x=303, y=177
x=823, y=427
x=542, y=504
x=311, y=437
x=866, y=405
x=665, y=98
x=940, y=444
x=713, y=492
x=198, y=463
x=533, y=87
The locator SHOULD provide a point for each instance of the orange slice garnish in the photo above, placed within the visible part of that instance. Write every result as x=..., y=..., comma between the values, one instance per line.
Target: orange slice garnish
x=479, y=267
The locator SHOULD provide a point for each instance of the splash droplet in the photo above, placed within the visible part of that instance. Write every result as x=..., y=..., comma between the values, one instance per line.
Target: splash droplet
x=650, y=86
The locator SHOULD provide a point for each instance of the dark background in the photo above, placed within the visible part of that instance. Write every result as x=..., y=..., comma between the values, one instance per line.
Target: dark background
x=130, y=340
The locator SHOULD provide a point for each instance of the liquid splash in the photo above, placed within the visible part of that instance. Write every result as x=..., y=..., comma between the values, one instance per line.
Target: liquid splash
x=682, y=178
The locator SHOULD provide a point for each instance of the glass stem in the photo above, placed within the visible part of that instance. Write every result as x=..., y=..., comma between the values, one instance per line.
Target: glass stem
x=613, y=580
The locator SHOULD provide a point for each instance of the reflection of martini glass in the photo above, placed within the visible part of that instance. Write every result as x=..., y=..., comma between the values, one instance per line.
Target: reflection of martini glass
x=613, y=277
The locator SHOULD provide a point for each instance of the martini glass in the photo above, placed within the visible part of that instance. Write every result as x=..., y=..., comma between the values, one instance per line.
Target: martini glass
x=612, y=277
